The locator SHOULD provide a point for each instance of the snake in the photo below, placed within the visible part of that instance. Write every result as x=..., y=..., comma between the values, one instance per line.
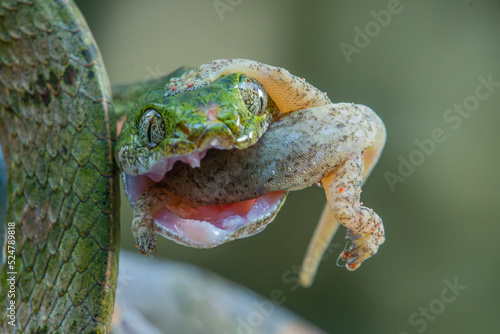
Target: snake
x=59, y=176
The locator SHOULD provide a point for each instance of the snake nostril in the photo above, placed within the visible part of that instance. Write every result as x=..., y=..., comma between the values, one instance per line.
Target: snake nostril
x=212, y=112
x=184, y=129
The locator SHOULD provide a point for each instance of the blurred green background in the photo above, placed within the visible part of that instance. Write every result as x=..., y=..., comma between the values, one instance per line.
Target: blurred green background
x=440, y=222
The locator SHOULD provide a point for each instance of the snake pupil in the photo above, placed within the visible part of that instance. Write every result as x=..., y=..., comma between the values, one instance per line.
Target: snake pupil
x=261, y=97
x=150, y=140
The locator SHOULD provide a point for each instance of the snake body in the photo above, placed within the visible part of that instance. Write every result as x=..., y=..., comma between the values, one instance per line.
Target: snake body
x=57, y=132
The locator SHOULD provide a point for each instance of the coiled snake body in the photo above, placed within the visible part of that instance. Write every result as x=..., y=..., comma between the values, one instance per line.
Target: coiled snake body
x=57, y=133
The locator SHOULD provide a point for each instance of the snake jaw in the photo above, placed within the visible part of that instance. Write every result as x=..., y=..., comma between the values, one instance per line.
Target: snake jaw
x=162, y=158
x=210, y=226
x=160, y=211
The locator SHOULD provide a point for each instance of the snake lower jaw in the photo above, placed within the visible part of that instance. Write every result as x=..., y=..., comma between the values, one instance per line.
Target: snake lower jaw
x=205, y=226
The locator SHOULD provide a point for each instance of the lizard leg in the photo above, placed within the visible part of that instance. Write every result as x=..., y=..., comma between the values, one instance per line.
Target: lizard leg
x=328, y=223
x=365, y=228
x=143, y=225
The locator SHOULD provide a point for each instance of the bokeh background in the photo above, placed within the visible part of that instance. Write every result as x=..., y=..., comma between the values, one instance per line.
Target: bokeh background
x=441, y=222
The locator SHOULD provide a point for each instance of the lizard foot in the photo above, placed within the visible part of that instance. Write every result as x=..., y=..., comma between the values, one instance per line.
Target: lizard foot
x=145, y=237
x=360, y=247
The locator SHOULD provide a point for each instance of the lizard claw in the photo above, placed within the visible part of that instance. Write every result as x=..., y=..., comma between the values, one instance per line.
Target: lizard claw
x=359, y=247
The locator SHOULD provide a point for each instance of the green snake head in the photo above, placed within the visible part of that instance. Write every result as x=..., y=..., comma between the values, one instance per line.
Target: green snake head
x=232, y=112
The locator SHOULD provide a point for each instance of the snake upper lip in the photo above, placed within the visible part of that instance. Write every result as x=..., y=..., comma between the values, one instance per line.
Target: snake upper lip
x=135, y=185
x=164, y=165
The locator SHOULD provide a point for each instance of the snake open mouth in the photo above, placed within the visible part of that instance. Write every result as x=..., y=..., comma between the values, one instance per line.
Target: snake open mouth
x=193, y=225
x=209, y=226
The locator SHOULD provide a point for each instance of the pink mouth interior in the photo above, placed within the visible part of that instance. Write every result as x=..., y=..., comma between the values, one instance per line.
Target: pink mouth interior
x=210, y=225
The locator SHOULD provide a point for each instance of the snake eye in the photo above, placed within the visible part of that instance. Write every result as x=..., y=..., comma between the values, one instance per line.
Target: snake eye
x=253, y=94
x=152, y=128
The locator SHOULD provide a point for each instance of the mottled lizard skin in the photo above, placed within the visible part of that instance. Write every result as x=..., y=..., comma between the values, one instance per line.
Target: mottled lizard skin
x=57, y=132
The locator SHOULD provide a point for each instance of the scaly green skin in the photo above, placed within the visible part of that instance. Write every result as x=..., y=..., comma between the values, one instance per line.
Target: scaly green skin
x=57, y=134
x=188, y=127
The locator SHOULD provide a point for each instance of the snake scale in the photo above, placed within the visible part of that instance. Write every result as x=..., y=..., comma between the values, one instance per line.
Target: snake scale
x=57, y=132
